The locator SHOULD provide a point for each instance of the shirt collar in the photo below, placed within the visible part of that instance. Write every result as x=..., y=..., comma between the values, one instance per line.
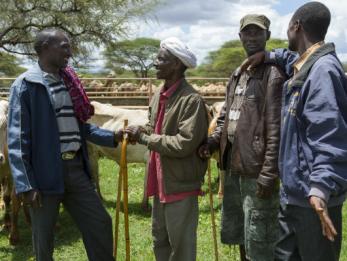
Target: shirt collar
x=304, y=57
x=169, y=91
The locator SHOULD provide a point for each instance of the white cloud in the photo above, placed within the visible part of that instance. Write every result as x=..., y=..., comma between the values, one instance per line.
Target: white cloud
x=206, y=25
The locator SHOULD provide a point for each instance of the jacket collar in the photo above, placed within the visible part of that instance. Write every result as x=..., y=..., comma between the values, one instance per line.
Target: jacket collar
x=256, y=73
x=34, y=74
x=299, y=79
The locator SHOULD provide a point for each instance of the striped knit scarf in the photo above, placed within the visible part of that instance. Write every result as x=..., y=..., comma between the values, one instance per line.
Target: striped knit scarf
x=81, y=104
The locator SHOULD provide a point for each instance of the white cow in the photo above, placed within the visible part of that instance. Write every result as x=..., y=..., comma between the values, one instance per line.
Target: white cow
x=3, y=126
x=8, y=193
x=112, y=118
x=4, y=167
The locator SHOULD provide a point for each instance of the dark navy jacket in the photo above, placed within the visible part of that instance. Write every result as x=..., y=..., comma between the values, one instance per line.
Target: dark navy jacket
x=313, y=149
x=33, y=136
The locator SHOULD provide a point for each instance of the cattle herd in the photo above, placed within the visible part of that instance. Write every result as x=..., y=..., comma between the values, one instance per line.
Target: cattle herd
x=106, y=116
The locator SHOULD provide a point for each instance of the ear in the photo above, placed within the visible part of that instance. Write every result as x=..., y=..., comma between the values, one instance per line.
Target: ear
x=240, y=35
x=268, y=35
x=44, y=46
x=297, y=25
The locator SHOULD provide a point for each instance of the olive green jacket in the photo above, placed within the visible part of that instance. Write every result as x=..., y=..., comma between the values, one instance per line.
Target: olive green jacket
x=184, y=128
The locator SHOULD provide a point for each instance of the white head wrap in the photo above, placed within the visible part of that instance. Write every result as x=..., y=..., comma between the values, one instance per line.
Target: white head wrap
x=180, y=50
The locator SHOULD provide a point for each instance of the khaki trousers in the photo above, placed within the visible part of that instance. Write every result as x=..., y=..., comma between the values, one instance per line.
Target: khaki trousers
x=174, y=227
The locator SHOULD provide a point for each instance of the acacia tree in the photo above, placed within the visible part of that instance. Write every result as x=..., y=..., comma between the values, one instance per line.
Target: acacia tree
x=9, y=65
x=85, y=21
x=136, y=55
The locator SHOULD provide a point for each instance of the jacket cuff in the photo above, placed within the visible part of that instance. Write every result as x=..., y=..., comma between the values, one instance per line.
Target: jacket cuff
x=318, y=191
x=266, y=181
x=213, y=142
x=144, y=139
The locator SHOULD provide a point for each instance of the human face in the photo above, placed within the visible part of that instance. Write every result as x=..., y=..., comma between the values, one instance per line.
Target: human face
x=58, y=51
x=292, y=33
x=166, y=64
x=254, y=39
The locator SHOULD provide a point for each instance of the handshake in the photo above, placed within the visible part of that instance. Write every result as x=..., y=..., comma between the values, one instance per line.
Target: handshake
x=133, y=134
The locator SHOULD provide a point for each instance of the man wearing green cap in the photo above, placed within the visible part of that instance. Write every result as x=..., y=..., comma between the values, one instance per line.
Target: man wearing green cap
x=247, y=135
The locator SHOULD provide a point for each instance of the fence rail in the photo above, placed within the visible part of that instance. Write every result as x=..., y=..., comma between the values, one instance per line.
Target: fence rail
x=131, y=92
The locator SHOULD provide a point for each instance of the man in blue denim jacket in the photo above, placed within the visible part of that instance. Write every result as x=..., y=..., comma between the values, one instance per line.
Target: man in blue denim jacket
x=313, y=149
x=48, y=154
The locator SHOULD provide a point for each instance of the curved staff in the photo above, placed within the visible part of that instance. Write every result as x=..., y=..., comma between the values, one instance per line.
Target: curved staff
x=123, y=182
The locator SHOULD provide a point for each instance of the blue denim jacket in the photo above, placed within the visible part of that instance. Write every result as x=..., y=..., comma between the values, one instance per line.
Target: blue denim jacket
x=33, y=136
x=313, y=149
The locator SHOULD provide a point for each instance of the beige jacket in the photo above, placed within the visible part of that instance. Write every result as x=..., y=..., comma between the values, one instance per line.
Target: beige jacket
x=184, y=128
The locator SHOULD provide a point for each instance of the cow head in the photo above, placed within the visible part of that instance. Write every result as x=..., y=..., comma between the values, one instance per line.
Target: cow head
x=3, y=129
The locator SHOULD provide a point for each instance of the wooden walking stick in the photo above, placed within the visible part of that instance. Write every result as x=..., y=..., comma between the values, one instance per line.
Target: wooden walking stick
x=214, y=232
x=123, y=175
x=123, y=163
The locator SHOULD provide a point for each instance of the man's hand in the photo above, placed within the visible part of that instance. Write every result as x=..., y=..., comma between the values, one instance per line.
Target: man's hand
x=204, y=151
x=32, y=198
x=118, y=135
x=207, y=148
x=134, y=133
x=264, y=192
x=252, y=61
x=320, y=207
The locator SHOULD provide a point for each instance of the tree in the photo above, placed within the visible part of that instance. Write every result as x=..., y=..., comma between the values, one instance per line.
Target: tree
x=9, y=65
x=135, y=55
x=222, y=62
x=85, y=21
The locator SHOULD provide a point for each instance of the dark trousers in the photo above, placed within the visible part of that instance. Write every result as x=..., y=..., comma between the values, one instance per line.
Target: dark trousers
x=86, y=209
x=301, y=237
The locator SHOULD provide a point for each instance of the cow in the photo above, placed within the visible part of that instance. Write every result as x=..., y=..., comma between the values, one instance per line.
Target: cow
x=111, y=118
x=4, y=166
x=8, y=191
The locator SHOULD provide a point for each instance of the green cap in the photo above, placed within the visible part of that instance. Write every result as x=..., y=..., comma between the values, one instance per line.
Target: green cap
x=259, y=20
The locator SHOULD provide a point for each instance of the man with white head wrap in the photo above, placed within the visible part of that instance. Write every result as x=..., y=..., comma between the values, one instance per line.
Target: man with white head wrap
x=177, y=126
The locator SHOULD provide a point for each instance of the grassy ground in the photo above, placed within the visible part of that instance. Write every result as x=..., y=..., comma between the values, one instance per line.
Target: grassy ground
x=68, y=244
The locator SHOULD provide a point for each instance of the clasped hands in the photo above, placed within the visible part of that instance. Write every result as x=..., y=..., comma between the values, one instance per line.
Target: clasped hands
x=133, y=133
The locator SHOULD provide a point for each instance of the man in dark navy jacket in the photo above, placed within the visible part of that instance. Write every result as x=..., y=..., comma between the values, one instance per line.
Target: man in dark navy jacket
x=47, y=133
x=313, y=149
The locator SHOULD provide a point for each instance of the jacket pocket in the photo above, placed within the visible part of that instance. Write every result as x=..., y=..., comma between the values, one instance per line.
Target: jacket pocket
x=258, y=147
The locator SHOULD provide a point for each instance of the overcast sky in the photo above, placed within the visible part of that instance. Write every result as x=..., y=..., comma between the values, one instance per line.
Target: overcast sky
x=206, y=24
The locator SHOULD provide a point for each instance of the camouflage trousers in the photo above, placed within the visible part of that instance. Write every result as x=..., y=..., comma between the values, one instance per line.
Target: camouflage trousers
x=248, y=220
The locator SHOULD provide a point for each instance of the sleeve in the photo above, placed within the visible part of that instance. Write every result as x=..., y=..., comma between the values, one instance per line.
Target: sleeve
x=19, y=138
x=217, y=133
x=99, y=136
x=284, y=58
x=325, y=115
x=272, y=116
x=192, y=131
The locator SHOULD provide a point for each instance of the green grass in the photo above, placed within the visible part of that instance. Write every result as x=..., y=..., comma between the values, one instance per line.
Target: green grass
x=69, y=246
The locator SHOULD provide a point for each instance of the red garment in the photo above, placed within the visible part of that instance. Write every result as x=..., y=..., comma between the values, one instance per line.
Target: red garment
x=155, y=185
x=81, y=104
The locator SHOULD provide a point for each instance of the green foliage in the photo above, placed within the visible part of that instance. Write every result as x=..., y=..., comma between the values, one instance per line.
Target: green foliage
x=85, y=21
x=222, y=62
x=69, y=245
x=9, y=65
x=135, y=55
